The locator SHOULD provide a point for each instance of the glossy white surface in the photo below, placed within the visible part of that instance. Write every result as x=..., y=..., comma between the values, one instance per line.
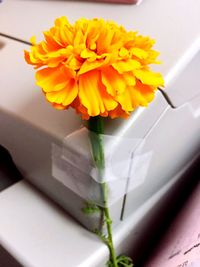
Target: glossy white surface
x=186, y=86
x=173, y=140
x=38, y=234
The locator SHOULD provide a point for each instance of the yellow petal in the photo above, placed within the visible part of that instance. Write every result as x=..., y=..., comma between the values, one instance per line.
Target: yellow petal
x=123, y=52
x=108, y=100
x=149, y=77
x=89, y=93
x=66, y=35
x=50, y=79
x=104, y=40
x=127, y=65
x=146, y=90
x=65, y=96
x=62, y=21
x=86, y=53
x=113, y=81
x=130, y=99
x=129, y=78
x=138, y=52
x=88, y=65
x=79, y=38
x=54, y=61
x=52, y=44
x=93, y=46
x=60, y=86
x=73, y=63
x=133, y=97
x=126, y=101
x=33, y=40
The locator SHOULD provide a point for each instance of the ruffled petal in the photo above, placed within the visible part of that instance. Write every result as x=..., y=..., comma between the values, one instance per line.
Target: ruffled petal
x=113, y=81
x=138, y=52
x=118, y=112
x=149, y=77
x=51, y=79
x=129, y=78
x=125, y=66
x=133, y=97
x=93, y=94
x=148, y=92
x=65, y=96
x=88, y=65
x=109, y=102
x=89, y=93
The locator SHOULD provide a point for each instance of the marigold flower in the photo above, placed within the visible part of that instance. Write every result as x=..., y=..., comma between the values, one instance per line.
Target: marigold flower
x=95, y=67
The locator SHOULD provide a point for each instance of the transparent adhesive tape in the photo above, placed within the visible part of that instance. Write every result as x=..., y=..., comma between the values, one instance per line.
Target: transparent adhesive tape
x=126, y=165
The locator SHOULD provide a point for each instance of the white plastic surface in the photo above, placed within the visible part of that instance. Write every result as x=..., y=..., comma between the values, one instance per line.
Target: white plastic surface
x=174, y=140
x=38, y=234
x=186, y=86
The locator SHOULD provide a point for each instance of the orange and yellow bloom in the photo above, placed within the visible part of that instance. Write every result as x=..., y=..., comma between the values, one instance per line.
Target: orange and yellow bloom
x=95, y=67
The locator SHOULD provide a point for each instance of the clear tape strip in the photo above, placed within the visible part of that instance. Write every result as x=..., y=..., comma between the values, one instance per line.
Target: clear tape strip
x=126, y=166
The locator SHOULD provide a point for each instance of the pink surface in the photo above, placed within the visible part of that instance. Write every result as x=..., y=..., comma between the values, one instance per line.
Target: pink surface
x=180, y=246
x=120, y=1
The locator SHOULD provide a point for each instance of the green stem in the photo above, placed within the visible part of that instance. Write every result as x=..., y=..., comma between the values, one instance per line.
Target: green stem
x=109, y=226
x=96, y=126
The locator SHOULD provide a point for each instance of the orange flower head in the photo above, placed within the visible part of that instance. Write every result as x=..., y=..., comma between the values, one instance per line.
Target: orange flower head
x=95, y=67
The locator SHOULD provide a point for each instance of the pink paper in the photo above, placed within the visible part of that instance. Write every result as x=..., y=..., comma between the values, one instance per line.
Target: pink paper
x=180, y=246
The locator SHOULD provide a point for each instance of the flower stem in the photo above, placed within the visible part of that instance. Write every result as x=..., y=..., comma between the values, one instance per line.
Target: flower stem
x=109, y=227
x=96, y=126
